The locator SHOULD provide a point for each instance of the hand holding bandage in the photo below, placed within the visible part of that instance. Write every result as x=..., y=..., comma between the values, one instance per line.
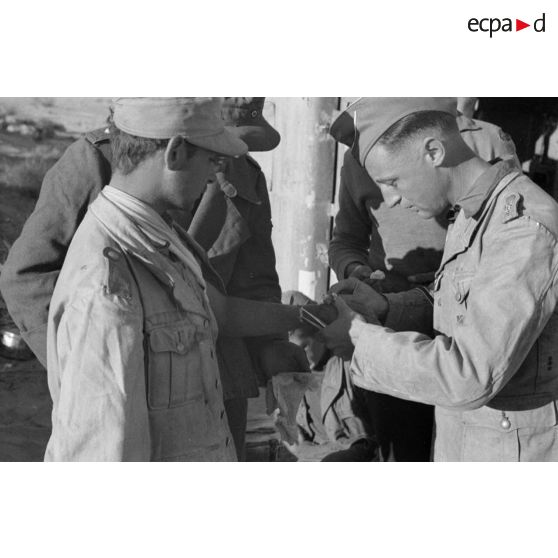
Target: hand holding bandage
x=362, y=299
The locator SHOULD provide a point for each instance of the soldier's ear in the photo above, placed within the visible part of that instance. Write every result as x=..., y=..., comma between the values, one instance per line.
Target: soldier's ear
x=176, y=153
x=434, y=151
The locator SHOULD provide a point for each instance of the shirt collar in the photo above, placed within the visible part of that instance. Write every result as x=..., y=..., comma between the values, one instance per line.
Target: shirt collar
x=473, y=200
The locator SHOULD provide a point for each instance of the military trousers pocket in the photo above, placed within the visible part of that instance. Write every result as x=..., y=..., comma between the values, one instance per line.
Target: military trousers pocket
x=174, y=368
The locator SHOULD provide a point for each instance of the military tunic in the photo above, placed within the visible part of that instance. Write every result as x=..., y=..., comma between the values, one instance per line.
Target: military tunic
x=400, y=243
x=132, y=361
x=491, y=367
x=242, y=251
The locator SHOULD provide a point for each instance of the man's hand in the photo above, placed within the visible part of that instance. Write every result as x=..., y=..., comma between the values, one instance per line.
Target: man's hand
x=364, y=273
x=336, y=336
x=281, y=356
x=325, y=314
x=358, y=271
x=363, y=299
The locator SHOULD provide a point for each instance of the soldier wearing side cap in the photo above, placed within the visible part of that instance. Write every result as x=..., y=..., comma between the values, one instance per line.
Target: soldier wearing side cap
x=482, y=343
x=369, y=237
x=232, y=222
x=132, y=325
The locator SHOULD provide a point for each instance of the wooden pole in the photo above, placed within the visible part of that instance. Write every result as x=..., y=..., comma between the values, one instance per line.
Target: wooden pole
x=302, y=191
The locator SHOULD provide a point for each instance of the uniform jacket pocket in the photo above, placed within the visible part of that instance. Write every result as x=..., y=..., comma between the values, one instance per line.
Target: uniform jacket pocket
x=461, y=284
x=174, y=367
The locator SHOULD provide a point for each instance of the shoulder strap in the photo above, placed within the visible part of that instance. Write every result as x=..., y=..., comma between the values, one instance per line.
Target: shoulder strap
x=100, y=139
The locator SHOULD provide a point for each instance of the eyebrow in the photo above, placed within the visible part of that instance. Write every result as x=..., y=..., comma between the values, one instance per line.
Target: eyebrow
x=385, y=178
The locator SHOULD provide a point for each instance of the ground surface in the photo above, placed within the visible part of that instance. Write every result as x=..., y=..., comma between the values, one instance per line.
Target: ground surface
x=25, y=408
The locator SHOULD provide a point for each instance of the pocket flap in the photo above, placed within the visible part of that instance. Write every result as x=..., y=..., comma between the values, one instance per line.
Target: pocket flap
x=462, y=285
x=172, y=340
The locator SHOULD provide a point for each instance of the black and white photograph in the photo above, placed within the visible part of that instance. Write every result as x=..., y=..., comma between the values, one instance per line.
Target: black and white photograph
x=279, y=279
x=321, y=321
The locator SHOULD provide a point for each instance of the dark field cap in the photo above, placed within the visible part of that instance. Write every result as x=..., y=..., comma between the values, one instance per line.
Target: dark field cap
x=197, y=119
x=362, y=123
x=243, y=117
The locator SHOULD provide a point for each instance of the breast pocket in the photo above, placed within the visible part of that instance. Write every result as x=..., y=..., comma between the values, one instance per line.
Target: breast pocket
x=174, y=368
x=461, y=286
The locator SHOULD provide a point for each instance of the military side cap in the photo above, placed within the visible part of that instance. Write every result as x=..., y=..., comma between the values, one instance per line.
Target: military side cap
x=243, y=117
x=363, y=122
x=197, y=119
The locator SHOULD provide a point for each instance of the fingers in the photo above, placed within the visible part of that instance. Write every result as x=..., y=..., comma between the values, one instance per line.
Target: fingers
x=341, y=305
x=346, y=286
x=361, y=272
x=354, y=303
x=377, y=275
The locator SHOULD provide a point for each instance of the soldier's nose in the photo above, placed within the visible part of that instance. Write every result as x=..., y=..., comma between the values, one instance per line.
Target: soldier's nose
x=391, y=198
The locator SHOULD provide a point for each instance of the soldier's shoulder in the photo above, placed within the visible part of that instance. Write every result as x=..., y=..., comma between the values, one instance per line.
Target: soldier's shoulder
x=252, y=162
x=87, y=148
x=488, y=140
x=245, y=164
x=98, y=137
x=97, y=263
x=245, y=179
x=524, y=199
x=495, y=132
x=118, y=279
x=480, y=127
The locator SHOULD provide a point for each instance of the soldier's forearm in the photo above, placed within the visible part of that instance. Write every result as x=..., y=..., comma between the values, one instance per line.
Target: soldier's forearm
x=239, y=317
x=410, y=311
x=248, y=318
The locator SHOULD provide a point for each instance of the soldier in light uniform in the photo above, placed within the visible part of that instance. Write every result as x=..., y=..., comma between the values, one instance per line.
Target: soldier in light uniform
x=232, y=222
x=370, y=236
x=489, y=364
x=133, y=319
